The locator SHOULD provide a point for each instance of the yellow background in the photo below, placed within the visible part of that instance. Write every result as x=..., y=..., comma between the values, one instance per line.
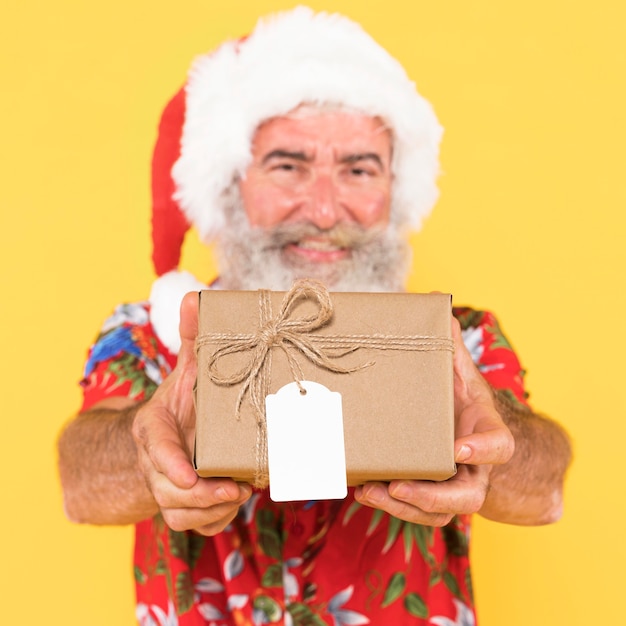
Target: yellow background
x=530, y=224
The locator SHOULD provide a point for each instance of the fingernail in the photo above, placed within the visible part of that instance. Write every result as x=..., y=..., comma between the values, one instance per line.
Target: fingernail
x=224, y=495
x=373, y=493
x=399, y=490
x=463, y=454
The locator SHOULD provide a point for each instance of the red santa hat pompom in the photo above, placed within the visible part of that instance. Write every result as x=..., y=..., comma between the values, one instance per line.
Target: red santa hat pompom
x=290, y=58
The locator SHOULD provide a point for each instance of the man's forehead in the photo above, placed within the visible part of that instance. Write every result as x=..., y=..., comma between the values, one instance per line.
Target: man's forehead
x=328, y=117
x=308, y=110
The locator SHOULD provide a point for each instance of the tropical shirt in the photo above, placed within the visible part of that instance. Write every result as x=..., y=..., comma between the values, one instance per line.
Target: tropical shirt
x=295, y=564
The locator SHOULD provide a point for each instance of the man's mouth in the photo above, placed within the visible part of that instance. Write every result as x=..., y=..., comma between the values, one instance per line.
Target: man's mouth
x=317, y=250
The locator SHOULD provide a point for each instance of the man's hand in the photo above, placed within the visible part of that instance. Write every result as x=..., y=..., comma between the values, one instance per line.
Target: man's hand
x=164, y=430
x=482, y=440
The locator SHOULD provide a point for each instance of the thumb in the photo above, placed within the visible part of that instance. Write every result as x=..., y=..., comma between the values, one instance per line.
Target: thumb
x=188, y=326
x=469, y=384
x=494, y=447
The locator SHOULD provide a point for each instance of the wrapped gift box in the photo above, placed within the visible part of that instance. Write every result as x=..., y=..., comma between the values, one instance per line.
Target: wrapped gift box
x=395, y=356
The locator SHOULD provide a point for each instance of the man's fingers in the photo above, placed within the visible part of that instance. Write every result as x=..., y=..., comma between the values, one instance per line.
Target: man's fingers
x=463, y=494
x=378, y=496
x=207, y=507
x=218, y=526
x=205, y=494
x=426, y=502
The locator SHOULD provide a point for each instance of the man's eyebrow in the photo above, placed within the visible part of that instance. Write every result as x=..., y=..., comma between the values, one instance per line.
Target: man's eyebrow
x=286, y=154
x=363, y=156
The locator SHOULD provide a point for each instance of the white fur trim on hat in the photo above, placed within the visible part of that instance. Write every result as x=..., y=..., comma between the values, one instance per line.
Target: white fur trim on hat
x=166, y=295
x=293, y=58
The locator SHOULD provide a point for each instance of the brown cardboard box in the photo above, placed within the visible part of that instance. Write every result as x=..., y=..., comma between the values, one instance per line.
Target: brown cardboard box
x=397, y=405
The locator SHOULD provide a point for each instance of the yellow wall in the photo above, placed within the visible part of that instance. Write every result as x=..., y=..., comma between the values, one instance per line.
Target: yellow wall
x=530, y=224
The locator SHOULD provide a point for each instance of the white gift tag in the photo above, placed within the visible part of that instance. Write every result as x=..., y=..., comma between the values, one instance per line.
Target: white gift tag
x=306, y=454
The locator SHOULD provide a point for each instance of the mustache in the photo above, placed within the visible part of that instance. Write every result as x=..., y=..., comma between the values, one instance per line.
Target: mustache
x=341, y=235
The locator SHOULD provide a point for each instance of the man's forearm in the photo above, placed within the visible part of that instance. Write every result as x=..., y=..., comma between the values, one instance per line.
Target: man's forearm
x=529, y=488
x=98, y=467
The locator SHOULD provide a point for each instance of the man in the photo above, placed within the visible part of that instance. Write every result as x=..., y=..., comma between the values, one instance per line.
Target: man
x=305, y=151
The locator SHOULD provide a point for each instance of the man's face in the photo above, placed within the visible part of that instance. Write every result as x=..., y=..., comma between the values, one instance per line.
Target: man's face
x=321, y=167
x=317, y=200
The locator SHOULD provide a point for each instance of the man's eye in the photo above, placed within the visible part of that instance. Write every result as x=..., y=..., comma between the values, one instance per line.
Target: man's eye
x=284, y=167
x=360, y=171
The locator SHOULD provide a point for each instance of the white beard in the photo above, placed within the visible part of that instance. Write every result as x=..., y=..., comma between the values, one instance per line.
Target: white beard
x=253, y=258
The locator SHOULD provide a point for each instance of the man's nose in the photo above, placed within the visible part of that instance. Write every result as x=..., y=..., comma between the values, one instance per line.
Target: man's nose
x=323, y=207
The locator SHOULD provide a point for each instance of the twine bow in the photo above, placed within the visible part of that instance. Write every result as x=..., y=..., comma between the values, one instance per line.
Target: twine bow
x=281, y=332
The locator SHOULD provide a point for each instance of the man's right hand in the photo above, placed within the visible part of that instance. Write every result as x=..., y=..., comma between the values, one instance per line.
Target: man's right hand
x=164, y=430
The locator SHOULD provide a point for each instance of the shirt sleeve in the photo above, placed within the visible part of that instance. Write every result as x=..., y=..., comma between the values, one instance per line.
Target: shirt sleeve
x=492, y=352
x=126, y=359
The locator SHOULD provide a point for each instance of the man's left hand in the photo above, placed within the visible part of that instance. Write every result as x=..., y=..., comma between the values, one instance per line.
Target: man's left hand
x=482, y=440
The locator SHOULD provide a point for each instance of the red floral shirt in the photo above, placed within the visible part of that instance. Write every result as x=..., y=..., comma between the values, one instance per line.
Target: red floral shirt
x=302, y=564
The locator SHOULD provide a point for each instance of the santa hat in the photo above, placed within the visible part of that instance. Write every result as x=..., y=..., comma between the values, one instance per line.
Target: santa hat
x=290, y=58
